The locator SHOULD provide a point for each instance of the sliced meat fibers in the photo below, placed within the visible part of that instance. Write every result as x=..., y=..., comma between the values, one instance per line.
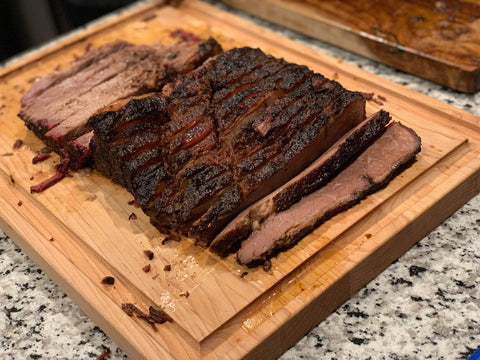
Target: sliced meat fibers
x=57, y=107
x=370, y=171
x=228, y=133
x=309, y=180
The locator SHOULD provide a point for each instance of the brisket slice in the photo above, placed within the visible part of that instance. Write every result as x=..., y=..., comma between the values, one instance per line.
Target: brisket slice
x=229, y=133
x=371, y=170
x=309, y=180
x=57, y=107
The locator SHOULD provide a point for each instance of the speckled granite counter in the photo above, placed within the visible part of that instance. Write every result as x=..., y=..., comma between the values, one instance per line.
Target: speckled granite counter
x=426, y=305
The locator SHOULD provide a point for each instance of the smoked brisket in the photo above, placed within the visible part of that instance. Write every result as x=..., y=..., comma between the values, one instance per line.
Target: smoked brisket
x=306, y=182
x=371, y=170
x=222, y=137
x=57, y=107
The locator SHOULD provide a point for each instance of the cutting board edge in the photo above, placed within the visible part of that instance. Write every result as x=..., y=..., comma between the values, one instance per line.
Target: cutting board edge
x=275, y=340
x=458, y=192
x=310, y=313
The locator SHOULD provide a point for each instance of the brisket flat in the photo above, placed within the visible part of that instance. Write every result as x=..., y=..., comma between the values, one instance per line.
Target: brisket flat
x=309, y=180
x=58, y=106
x=370, y=171
x=224, y=136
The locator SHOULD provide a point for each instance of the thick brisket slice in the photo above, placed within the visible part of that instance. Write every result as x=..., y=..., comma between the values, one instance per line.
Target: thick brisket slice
x=235, y=129
x=53, y=79
x=71, y=100
x=371, y=170
x=57, y=107
x=309, y=180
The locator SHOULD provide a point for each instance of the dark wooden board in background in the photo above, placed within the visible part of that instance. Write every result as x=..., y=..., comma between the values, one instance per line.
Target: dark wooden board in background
x=436, y=40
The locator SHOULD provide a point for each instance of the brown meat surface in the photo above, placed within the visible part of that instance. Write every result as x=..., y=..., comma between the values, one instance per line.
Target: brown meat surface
x=309, y=180
x=370, y=171
x=225, y=135
x=58, y=106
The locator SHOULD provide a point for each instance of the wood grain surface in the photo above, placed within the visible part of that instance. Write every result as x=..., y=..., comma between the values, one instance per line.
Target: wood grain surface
x=436, y=40
x=79, y=230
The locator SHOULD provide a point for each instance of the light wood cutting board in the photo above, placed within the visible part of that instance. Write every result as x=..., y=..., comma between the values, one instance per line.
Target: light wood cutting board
x=436, y=40
x=79, y=230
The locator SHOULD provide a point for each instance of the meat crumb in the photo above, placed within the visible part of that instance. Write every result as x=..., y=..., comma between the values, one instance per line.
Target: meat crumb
x=186, y=294
x=17, y=144
x=51, y=239
x=243, y=274
x=131, y=309
x=20, y=203
x=108, y=280
x=267, y=266
x=149, y=254
x=40, y=157
x=12, y=180
x=146, y=268
x=367, y=96
x=31, y=178
x=134, y=202
x=132, y=216
x=59, y=175
x=104, y=354
x=184, y=35
x=155, y=316
x=167, y=267
x=88, y=47
x=159, y=315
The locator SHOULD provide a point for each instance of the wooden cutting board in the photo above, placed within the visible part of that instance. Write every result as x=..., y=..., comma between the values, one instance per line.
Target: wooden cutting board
x=436, y=40
x=79, y=230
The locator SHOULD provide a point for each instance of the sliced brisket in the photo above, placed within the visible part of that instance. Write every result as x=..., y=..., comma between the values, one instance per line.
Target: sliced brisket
x=309, y=180
x=370, y=171
x=57, y=107
x=228, y=133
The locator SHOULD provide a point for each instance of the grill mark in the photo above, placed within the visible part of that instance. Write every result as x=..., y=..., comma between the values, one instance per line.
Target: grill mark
x=178, y=124
x=141, y=149
x=283, y=155
x=188, y=140
x=258, y=82
x=293, y=130
x=264, y=96
x=205, y=197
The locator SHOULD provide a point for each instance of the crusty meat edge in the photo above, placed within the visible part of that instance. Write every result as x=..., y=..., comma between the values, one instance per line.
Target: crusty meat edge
x=363, y=185
x=309, y=180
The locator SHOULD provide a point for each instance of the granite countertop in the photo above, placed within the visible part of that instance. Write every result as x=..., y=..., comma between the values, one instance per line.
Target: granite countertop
x=426, y=305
